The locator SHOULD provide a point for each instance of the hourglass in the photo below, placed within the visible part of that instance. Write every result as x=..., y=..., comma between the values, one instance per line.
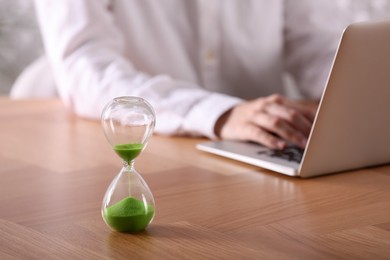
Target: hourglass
x=128, y=123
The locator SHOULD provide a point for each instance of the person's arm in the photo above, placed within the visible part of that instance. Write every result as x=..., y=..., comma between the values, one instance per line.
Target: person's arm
x=312, y=32
x=86, y=52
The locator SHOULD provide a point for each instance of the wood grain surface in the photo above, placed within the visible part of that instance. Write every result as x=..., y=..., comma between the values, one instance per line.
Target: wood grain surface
x=56, y=167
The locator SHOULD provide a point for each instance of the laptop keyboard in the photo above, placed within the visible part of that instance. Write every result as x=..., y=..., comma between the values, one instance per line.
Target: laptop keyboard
x=290, y=153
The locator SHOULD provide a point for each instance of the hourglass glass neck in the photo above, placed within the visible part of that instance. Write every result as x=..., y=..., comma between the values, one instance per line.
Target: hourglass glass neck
x=129, y=164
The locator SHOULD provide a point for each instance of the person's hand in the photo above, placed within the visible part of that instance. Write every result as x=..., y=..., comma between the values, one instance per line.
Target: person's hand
x=272, y=121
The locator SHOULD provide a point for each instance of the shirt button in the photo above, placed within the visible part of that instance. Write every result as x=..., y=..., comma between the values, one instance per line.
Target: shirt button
x=210, y=56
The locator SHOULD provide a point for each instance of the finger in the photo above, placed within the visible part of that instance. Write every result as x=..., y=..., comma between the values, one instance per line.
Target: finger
x=296, y=119
x=279, y=99
x=308, y=113
x=257, y=134
x=280, y=127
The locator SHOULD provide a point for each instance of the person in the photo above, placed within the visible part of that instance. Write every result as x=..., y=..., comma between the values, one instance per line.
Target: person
x=209, y=68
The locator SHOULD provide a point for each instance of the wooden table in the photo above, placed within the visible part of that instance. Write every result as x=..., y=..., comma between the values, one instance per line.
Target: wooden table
x=55, y=169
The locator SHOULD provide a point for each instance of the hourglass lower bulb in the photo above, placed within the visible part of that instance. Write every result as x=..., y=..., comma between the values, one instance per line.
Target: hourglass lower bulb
x=128, y=205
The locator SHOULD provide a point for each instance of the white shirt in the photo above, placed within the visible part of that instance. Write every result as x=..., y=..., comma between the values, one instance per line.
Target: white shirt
x=192, y=60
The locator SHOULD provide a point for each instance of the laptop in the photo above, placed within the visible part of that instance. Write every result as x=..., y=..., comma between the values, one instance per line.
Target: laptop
x=351, y=129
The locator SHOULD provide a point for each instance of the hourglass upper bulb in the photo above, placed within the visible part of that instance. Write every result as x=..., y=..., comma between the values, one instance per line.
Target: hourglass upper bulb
x=128, y=123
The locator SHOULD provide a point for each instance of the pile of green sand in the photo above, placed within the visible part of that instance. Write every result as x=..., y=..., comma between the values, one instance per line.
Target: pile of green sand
x=129, y=215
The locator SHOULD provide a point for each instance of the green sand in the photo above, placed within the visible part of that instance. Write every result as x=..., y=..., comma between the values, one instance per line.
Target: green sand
x=129, y=215
x=128, y=151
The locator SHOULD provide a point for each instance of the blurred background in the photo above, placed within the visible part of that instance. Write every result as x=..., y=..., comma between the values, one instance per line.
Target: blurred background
x=20, y=42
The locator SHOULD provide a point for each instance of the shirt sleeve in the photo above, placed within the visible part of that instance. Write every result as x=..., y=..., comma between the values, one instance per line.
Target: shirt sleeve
x=86, y=53
x=312, y=33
